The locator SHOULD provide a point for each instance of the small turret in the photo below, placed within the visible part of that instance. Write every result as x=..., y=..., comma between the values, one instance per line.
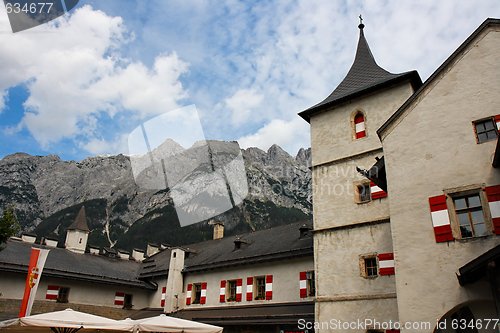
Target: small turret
x=78, y=233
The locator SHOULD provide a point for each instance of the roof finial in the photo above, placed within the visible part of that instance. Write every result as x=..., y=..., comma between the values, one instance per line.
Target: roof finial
x=361, y=25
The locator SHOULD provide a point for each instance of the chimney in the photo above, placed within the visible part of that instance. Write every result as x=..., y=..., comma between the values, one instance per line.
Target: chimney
x=138, y=254
x=94, y=249
x=28, y=237
x=51, y=242
x=152, y=249
x=218, y=229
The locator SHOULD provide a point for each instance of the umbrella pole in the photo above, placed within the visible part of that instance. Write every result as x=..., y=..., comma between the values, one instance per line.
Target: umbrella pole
x=65, y=330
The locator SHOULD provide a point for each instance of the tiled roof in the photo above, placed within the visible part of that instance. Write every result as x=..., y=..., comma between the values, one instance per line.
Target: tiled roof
x=277, y=243
x=364, y=76
x=63, y=263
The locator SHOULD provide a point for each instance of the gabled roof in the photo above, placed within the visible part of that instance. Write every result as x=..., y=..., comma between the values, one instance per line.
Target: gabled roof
x=488, y=22
x=365, y=76
x=62, y=263
x=278, y=243
x=80, y=222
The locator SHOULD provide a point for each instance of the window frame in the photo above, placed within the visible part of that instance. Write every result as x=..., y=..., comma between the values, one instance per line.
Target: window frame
x=467, y=191
x=482, y=120
x=363, y=269
x=262, y=286
x=229, y=289
x=196, y=293
x=357, y=192
x=311, y=283
x=63, y=295
x=127, y=301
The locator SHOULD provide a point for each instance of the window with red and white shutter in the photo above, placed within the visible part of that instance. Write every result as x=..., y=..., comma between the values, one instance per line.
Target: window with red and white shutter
x=440, y=219
x=303, y=284
x=222, y=291
x=119, y=298
x=249, y=289
x=386, y=264
x=203, y=298
x=239, y=289
x=269, y=287
x=189, y=291
x=359, y=126
x=52, y=292
x=163, y=296
x=493, y=194
x=377, y=192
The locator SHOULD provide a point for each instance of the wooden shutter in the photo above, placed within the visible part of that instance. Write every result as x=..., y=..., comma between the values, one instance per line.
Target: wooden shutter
x=203, y=297
x=359, y=126
x=188, y=293
x=386, y=264
x=222, y=291
x=493, y=194
x=303, y=284
x=163, y=296
x=52, y=292
x=440, y=219
x=269, y=287
x=249, y=289
x=377, y=192
x=119, y=298
x=239, y=285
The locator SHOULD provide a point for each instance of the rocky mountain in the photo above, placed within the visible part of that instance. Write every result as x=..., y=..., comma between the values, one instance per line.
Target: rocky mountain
x=134, y=200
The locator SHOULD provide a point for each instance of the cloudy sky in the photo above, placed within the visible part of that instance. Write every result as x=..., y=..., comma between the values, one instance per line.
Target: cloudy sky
x=80, y=85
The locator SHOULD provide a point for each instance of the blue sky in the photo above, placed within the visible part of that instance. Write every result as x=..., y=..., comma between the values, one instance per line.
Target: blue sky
x=78, y=86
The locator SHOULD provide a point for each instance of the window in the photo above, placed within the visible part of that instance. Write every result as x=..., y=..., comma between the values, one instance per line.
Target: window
x=311, y=287
x=359, y=125
x=231, y=290
x=260, y=288
x=196, y=293
x=127, y=301
x=368, y=265
x=62, y=295
x=362, y=192
x=470, y=216
x=485, y=130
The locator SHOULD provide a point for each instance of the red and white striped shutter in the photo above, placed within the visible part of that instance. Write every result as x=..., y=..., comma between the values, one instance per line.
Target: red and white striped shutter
x=222, y=291
x=497, y=121
x=303, y=284
x=163, y=296
x=440, y=219
x=188, y=293
x=239, y=287
x=493, y=193
x=359, y=126
x=386, y=264
x=119, y=298
x=52, y=292
x=249, y=288
x=269, y=287
x=203, y=298
x=377, y=192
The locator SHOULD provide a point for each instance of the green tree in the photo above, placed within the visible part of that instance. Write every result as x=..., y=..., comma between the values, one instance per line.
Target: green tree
x=8, y=225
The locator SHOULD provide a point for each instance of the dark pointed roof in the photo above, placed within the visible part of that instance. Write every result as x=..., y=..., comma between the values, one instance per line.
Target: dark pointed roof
x=364, y=77
x=80, y=222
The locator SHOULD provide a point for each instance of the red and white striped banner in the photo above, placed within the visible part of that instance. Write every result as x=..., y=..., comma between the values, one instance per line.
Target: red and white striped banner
x=269, y=287
x=386, y=264
x=52, y=292
x=493, y=193
x=119, y=298
x=222, y=291
x=440, y=219
x=377, y=192
x=249, y=289
x=303, y=284
x=163, y=296
x=203, y=297
x=35, y=269
x=239, y=289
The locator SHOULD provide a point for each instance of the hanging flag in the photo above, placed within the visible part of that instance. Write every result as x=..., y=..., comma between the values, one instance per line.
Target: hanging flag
x=35, y=268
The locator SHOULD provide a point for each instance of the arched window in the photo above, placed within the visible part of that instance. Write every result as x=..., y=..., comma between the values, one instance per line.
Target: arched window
x=359, y=125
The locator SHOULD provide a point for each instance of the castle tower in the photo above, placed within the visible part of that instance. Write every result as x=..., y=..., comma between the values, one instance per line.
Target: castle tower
x=353, y=244
x=78, y=233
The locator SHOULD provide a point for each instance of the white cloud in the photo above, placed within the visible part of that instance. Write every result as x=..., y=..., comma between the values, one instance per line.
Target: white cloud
x=75, y=74
x=289, y=135
x=242, y=104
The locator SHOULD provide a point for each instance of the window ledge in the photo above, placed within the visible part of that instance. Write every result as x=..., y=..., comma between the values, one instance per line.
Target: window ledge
x=472, y=239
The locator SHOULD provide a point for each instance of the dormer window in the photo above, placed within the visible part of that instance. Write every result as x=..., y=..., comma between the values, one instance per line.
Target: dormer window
x=359, y=125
